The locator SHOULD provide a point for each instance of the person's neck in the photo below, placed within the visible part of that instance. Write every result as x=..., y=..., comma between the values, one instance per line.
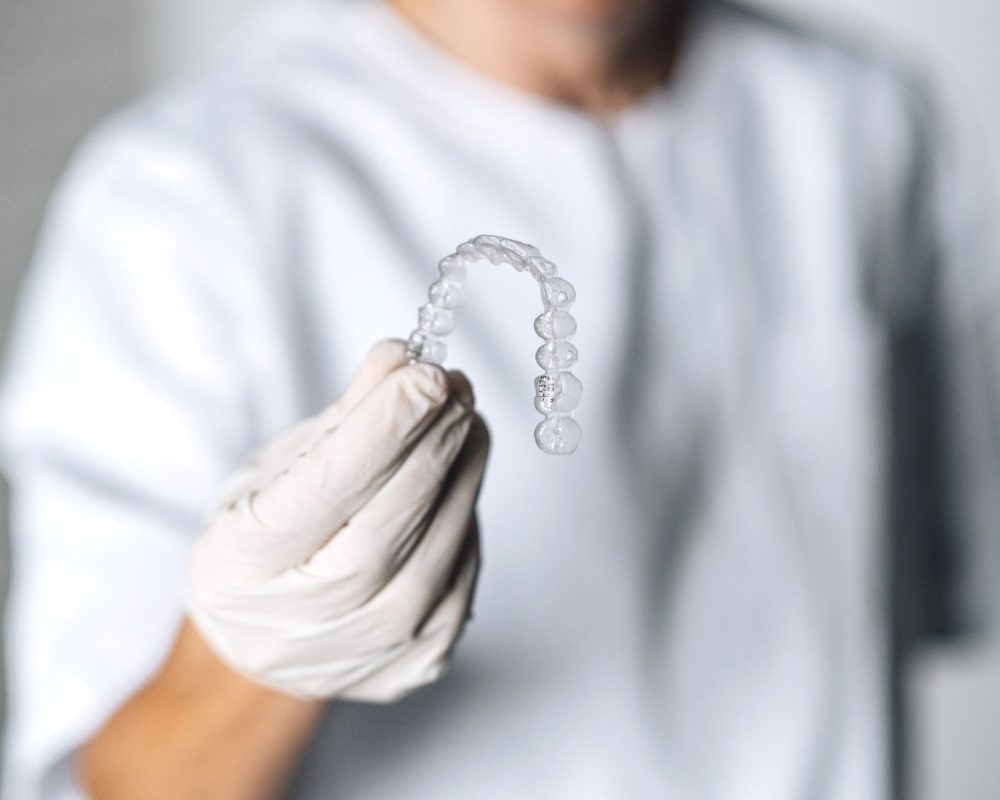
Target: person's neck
x=601, y=64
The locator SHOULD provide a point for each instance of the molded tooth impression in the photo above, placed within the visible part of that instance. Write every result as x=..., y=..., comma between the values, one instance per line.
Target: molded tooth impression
x=557, y=391
x=446, y=294
x=436, y=321
x=556, y=355
x=555, y=325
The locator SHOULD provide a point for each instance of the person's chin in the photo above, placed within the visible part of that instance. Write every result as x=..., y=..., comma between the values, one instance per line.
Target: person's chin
x=588, y=9
x=594, y=11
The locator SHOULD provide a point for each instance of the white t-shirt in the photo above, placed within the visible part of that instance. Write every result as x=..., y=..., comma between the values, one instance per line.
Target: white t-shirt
x=777, y=267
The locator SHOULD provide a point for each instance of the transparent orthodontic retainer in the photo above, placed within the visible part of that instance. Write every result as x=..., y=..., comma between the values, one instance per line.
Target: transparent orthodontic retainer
x=557, y=390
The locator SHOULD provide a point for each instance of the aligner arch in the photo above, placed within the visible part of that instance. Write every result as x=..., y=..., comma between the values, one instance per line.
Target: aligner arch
x=557, y=390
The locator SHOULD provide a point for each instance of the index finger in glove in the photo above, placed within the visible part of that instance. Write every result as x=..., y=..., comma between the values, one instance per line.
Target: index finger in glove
x=303, y=507
x=384, y=357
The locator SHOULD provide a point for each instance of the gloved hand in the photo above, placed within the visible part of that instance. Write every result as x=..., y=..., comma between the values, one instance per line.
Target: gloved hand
x=342, y=558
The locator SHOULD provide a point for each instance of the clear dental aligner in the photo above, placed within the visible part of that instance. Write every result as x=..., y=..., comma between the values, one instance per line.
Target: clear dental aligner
x=557, y=390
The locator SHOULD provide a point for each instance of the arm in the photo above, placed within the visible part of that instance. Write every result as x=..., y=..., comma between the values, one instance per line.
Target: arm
x=198, y=730
x=340, y=564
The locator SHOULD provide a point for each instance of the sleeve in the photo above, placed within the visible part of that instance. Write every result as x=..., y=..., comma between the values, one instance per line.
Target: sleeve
x=946, y=380
x=123, y=405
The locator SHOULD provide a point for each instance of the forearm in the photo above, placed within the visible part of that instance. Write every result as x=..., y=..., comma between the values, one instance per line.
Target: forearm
x=198, y=730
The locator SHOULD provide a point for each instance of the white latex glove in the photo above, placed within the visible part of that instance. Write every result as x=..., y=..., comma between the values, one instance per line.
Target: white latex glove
x=343, y=557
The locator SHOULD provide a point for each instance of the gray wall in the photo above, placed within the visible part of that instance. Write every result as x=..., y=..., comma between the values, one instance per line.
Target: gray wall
x=64, y=65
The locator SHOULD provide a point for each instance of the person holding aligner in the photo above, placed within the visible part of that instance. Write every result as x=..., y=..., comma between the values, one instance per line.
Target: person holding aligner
x=246, y=526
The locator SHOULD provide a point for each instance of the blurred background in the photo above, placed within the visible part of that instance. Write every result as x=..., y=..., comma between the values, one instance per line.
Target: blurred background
x=63, y=66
